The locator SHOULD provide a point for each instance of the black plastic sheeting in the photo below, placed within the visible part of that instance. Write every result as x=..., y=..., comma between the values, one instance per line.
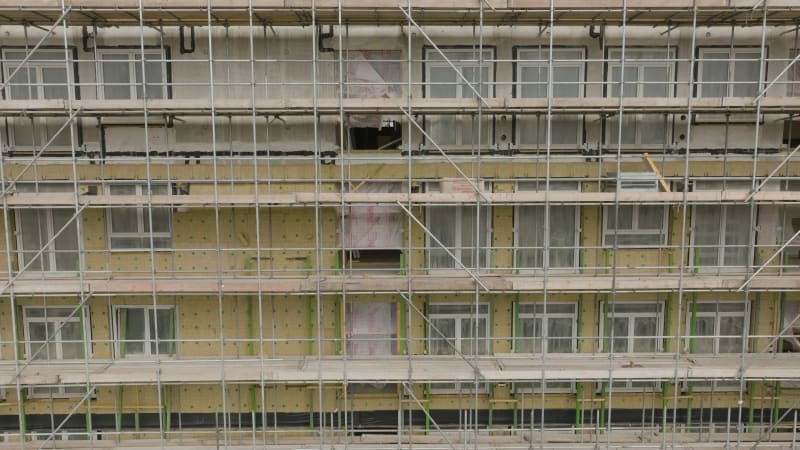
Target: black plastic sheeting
x=383, y=419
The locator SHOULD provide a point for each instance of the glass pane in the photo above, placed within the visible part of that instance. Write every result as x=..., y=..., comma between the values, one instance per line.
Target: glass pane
x=438, y=344
x=533, y=82
x=529, y=340
x=656, y=81
x=531, y=236
x=566, y=81
x=651, y=217
x=629, y=124
x=33, y=234
x=23, y=85
x=732, y=327
x=443, y=130
x=620, y=340
x=566, y=130
x=66, y=244
x=714, y=68
x=38, y=333
x=704, y=326
x=124, y=220
x=737, y=235
x=478, y=79
x=559, y=333
x=55, y=82
x=745, y=74
x=132, y=330
x=645, y=326
x=624, y=217
x=562, y=236
x=71, y=339
x=442, y=83
x=164, y=320
x=441, y=222
x=116, y=76
x=153, y=74
x=468, y=340
x=707, y=221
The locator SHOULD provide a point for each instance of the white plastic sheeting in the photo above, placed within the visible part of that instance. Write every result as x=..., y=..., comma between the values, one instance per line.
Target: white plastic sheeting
x=372, y=74
x=371, y=328
x=378, y=227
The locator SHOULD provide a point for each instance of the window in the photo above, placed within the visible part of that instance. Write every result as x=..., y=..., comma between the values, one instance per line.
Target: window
x=55, y=333
x=647, y=73
x=529, y=230
x=121, y=74
x=531, y=82
x=729, y=73
x=455, y=227
x=550, y=330
x=442, y=81
x=129, y=228
x=714, y=328
x=456, y=327
x=37, y=227
x=43, y=77
x=144, y=331
x=634, y=226
x=633, y=328
x=721, y=233
x=452, y=329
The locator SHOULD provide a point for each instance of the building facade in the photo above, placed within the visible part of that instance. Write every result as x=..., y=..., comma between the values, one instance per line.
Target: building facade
x=496, y=224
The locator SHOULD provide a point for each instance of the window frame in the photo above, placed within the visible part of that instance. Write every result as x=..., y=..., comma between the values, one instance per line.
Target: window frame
x=458, y=209
x=691, y=320
x=427, y=64
x=42, y=125
x=140, y=220
x=606, y=344
x=550, y=385
x=516, y=87
x=545, y=317
x=131, y=51
x=731, y=51
x=635, y=230
x=458, y=318
x=51, y=252
x=518, y=268
x=641, y=65
x=59, y=390
x=430, y=334
x=72, y=63
x=148, y=340
x=722, y=232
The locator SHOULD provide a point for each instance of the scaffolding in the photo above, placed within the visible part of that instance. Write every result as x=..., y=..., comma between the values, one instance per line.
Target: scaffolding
x=396, y=224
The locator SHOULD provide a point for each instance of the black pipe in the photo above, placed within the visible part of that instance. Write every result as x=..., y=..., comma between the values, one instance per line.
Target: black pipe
x=183, y=48
x=85, y=38
x=321, y=37
x=598, y=34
